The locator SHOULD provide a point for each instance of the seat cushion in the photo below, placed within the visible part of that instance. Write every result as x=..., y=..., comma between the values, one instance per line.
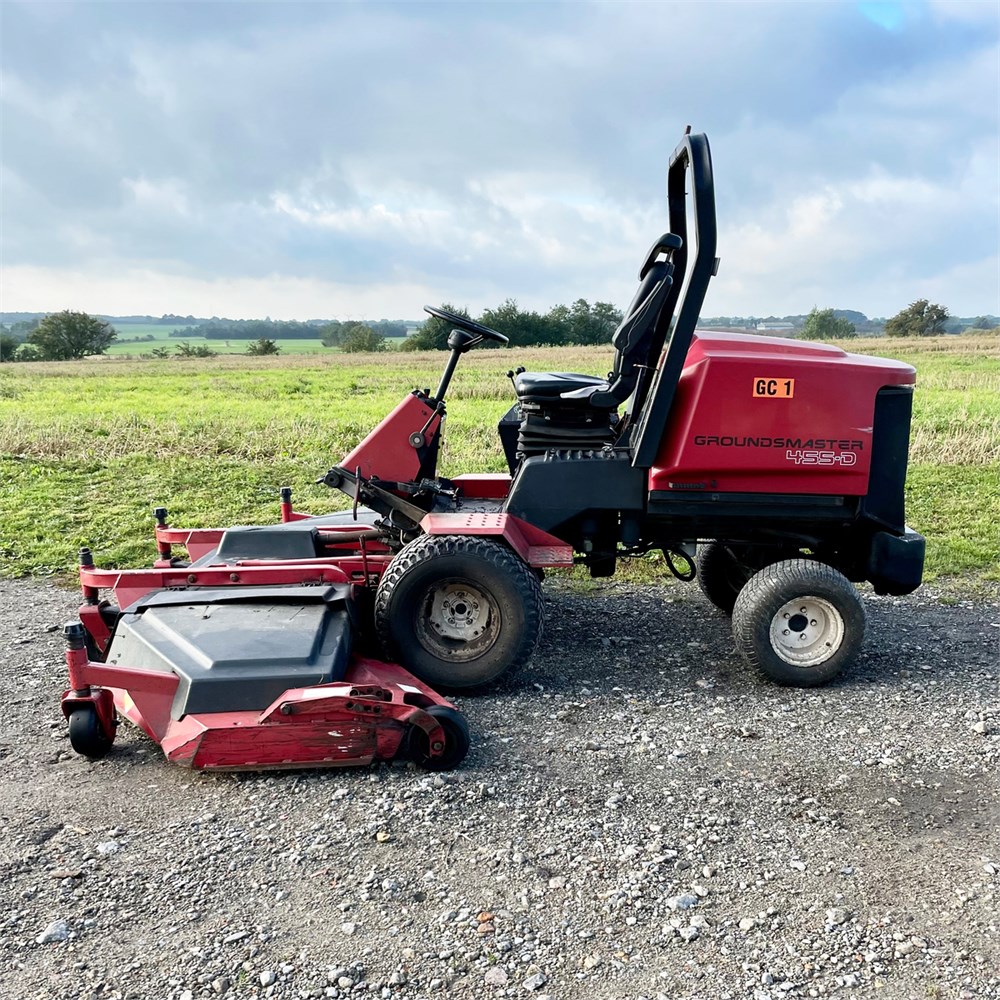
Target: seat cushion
x=551, y=385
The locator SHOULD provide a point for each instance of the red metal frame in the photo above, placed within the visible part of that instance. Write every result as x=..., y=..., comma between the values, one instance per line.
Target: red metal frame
x=386, y=453
x=484, y=485
x=536, y=547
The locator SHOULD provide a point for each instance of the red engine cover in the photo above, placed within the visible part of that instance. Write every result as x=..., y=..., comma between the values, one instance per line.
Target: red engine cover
x=768, y=415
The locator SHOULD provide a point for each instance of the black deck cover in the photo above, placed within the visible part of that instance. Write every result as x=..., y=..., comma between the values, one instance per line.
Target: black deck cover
x=237, y=648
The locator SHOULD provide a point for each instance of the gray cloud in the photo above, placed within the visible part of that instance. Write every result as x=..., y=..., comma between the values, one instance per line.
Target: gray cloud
x=471, y=152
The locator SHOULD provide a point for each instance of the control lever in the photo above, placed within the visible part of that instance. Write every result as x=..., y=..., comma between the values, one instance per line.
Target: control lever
x=513, y=372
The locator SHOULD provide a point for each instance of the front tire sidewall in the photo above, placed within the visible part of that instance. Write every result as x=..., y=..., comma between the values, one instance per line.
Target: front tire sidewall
x=485, y=565
x=771, y=590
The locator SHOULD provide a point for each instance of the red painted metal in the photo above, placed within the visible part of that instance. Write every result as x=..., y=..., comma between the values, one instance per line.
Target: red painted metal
x=534, y=546
x=102, y=700
x=816, y=441
x=94, y=623
x=386, y=453
x=483, y=485
x=198, y=541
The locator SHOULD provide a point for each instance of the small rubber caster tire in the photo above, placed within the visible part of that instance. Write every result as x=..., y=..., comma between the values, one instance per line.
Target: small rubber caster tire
x=456, y=737
x=800, y=622
x=720, y=575
x=86, y=734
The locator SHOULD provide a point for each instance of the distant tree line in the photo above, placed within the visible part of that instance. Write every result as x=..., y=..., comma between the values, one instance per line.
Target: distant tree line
x=252, y=329
x=271, y=329
x=580, y=323
x=341, y=334
x=68, y=335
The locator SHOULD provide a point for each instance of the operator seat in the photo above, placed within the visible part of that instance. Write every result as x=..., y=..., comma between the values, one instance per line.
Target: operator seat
x=631, y=341
x=559, y=411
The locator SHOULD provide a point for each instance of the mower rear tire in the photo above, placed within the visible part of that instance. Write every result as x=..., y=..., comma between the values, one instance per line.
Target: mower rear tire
x=458, y=611
x=721, y=576
x=456, y=741
x=86, y=734
x=799, y=621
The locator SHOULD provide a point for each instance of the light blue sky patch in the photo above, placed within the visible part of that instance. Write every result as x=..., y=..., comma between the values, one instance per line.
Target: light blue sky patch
x=888, y=14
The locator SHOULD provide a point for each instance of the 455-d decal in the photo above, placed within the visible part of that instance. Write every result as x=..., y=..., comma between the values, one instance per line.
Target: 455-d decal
x=811, y=456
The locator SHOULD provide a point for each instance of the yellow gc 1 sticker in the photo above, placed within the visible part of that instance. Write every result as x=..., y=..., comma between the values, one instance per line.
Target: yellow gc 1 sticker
x=773, y=388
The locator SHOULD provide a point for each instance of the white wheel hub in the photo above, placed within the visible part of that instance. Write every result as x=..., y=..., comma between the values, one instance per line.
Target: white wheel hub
x=459, y=611
x=807, y=631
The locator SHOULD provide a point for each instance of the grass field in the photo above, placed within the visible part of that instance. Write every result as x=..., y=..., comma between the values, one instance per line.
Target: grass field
x=127, y=331
x=88, y=448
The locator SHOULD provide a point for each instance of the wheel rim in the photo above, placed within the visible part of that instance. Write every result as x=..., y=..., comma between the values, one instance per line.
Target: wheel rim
x=458, y=620
x=807, y=631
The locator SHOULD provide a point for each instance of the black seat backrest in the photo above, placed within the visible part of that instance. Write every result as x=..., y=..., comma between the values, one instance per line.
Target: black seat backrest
x=626, y=337
x=633, y=338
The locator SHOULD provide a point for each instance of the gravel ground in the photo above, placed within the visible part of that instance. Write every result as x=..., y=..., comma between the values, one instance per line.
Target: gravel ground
x=639, y=818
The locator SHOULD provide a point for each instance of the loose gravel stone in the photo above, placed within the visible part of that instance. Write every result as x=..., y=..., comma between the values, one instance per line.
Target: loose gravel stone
x=642, y=818
x=58, y=930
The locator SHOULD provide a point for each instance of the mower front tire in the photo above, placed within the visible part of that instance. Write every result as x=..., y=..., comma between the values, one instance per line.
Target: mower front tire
x=86, y=734
x=456, y=741
x=720, y=575
x=458, y=611
x=799, y=621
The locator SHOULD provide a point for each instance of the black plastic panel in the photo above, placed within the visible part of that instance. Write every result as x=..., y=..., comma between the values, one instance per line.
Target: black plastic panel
x=890, y=445
x=560, y=486
x=237, y=655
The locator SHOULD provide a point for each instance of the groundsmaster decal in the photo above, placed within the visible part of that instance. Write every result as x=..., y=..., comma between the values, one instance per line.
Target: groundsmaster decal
x=814, y=451
x=748, y=441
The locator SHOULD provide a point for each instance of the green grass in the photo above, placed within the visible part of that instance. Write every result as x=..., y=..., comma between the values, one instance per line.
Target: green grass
x=87, y=449
x=141, y=349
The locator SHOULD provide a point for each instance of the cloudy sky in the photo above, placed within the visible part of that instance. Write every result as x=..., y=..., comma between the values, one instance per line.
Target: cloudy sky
x=359, y=159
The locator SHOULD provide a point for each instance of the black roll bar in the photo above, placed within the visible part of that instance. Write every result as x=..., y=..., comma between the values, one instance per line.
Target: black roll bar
x=692, y=156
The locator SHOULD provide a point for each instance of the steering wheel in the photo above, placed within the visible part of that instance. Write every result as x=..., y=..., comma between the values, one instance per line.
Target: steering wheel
x=470, y=326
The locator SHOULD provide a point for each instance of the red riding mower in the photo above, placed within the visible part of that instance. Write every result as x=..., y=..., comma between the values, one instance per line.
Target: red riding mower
x=771, y=469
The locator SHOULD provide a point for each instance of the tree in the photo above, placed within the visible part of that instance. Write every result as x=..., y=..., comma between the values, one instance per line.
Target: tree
x=592, y=324
x=263, y=346
x=23, y=327
x=186, y=350
x=918, y=319
x=360, y=338
x=67, y=335
x=28, y=352
x=523, y=327
x=824, y=324
x=984, y=323
x=8, y=346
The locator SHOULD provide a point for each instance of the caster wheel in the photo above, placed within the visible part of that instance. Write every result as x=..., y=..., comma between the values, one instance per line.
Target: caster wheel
x=456, y=736
x=86, y=734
